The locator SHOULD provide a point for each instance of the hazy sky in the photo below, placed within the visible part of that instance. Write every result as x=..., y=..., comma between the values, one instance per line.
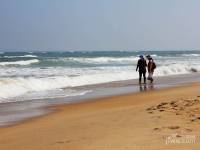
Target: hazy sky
x=99, y=24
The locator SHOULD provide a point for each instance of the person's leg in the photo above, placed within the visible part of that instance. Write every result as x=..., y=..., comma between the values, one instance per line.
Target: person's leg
x=151, y=77
x=140, y=77
x=148, y=76
x=144, y=76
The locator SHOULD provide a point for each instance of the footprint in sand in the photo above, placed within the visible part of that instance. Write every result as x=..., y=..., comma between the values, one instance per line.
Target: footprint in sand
x=63, y=142
x=160, y=107
x=172, y=102
x=173, y=127
x=148, y=109
x=188, y=130
x=157, y=129
x=195, y=119
x=161, y=110
x=178, y=113
x=169, y=127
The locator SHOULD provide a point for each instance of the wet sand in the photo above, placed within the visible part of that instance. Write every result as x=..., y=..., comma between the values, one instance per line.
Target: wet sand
x=127, y=122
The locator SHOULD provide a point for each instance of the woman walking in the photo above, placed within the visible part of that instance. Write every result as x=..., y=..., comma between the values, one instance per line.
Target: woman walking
x=150, y=67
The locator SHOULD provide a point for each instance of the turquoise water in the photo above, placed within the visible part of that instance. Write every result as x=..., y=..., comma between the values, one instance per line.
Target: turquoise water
x=79, y=58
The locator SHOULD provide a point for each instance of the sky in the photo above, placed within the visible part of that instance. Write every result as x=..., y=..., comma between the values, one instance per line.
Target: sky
x=99, y=25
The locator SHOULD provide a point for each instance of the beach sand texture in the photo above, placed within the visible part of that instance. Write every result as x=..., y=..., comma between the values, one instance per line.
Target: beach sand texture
x=129, y=122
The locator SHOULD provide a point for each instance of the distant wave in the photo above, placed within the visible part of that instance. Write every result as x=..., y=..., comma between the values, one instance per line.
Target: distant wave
x=22, y=62
x=101, y=60
x=26, y=56
x=98, y=60
x=154, y=55
x=189, y=55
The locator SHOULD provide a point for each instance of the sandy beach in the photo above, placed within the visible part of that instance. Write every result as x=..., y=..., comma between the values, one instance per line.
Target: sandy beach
x=134, y=121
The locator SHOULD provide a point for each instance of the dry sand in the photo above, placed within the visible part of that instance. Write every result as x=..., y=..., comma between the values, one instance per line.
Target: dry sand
x=139, y=121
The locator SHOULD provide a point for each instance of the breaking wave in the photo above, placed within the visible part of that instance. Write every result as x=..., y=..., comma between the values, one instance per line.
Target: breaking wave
x=21, y=62
x=24, y=56
x=190, y=55
x=16, y=86
x=99, y=60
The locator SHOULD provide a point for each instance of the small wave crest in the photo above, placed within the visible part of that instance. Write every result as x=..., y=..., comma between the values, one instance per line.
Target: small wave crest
x=154, y=55
x=190, y=55
x=99, y=60
x=24, y=56
x=21, y=62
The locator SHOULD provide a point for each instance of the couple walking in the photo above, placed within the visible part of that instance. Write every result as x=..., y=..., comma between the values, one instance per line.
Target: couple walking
x=142, y=64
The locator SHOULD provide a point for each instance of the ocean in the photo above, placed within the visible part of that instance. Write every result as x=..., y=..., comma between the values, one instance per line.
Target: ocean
x=27, y=76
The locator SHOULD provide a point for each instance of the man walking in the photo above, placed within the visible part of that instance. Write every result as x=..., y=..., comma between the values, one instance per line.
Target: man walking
x=141, y=65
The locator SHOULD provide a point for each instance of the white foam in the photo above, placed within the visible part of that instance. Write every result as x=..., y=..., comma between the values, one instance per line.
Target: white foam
x=52, y=94
x=26, y=56
x=12, y=87
x=31, y=56
x=21, y=62
x=154, y=55
x=99, y=60
x=190, y=55
x=12, y=71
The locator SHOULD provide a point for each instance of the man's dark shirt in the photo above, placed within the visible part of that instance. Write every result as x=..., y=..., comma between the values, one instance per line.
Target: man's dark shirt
x=141, y=65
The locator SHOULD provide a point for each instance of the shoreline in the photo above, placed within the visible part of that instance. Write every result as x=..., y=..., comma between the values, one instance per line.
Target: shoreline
x=53, y=109
x=72, y=126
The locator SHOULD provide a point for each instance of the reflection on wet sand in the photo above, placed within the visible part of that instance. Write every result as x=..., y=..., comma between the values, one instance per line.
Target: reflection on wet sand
x=146, y=87
x=143, y=87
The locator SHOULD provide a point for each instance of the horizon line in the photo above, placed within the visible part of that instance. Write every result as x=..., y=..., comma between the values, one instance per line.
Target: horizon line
x=128, y=50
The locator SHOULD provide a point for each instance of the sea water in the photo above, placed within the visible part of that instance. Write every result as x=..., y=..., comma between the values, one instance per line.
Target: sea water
x=39, y=75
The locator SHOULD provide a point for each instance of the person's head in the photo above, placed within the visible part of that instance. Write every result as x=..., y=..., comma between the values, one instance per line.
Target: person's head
x=148, y=57
x=141, y=56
